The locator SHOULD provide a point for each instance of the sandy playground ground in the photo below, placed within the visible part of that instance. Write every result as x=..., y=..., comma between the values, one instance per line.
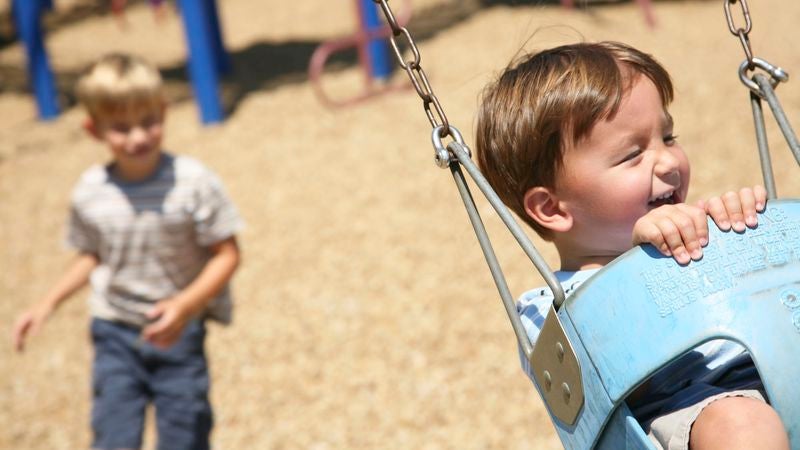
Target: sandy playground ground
x=366, y=317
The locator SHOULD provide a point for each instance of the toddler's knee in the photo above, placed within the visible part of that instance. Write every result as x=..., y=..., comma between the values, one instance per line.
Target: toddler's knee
x=738, y=423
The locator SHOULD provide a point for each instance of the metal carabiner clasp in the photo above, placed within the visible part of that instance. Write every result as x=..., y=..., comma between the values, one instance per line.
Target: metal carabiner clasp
x=441, y=154
x=776, y=74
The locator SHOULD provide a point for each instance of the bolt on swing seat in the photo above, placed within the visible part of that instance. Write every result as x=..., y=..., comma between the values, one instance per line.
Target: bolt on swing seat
x=644, y=310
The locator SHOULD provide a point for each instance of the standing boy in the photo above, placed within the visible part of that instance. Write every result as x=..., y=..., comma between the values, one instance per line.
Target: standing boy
x=155, y=236
x=578, y=142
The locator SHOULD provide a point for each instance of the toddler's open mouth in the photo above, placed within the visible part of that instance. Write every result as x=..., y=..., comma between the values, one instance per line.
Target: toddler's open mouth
x=664, y=199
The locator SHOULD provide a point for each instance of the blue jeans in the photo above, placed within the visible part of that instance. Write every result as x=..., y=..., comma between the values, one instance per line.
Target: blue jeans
x=129, y=373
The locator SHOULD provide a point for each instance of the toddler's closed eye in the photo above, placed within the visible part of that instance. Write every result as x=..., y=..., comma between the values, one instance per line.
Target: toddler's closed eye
x=670, y=139
x=631, y=156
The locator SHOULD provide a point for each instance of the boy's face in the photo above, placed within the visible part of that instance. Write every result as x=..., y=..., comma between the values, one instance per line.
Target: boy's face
x=134, y=137
x=628, y=165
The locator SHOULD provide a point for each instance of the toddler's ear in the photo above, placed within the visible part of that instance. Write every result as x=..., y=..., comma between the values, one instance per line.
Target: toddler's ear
x=91, y=127
x=542, y=205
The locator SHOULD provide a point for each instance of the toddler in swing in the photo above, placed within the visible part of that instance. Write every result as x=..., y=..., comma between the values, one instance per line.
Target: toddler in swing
x=154, y=235
x=577, y=140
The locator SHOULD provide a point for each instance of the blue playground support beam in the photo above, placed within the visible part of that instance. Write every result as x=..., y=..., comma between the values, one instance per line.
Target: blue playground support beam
x=377, y=49
x=205, y=48
x=27, y=15
x=224, y=65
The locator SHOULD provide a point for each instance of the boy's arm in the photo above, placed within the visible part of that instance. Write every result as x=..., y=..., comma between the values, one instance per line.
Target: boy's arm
x=681, y=230
x=171, y=315
x=74, y=278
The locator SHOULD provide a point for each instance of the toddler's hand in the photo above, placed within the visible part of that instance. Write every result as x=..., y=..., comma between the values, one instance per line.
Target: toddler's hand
x=679, y=231
x=28, y=323
x=736, y=209
x=170, y=318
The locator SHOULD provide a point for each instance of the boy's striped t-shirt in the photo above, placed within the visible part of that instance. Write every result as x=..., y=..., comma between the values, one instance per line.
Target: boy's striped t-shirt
x=151, y=237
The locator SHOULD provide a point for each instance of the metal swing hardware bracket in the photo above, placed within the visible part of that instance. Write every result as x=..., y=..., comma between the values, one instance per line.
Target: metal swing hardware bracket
x=555, y=366
x=557, y=371
x=442, y=155
x=777, y=75
x=552, y=360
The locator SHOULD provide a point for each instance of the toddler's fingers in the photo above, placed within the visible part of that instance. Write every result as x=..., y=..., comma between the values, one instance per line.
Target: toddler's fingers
x=646, y=232
x=748, y=200
x=686, y=224
x=761, y=197
x=716, y=209
x=733, y=205
x=689, y=227
x=700, y=224
x=673, y=237
x=701, y=204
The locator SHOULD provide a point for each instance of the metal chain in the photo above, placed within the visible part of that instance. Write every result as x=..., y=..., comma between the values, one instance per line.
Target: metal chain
x=762, y=87
x=742, y=33
x=433, y=109
x=777, y=75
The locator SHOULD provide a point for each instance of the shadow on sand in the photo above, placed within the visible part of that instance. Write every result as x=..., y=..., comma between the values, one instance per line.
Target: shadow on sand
x=262, y=66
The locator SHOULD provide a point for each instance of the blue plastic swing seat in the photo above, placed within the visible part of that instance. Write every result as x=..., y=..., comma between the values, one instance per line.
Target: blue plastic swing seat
x=644, y=310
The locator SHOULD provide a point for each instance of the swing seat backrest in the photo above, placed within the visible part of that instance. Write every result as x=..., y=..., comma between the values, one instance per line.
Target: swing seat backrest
x=644, y=310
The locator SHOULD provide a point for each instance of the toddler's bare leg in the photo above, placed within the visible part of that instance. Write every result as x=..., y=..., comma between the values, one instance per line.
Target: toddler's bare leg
x=738, y=423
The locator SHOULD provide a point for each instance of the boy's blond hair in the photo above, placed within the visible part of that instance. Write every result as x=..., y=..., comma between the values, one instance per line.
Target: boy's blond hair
x=119, y=82
x=549, y=100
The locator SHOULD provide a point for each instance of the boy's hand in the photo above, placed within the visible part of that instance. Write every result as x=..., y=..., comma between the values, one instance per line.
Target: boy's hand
x=679, y=231
x=169, y=319
x=29, y=323
x=736, y=210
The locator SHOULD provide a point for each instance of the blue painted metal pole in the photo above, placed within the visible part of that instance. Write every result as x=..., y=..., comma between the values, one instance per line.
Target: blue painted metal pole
x=28, y=21
x=212, y=14
x=202, y=60
x=378, y=49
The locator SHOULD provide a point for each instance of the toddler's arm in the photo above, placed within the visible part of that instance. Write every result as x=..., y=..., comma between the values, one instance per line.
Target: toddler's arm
x=681, y=230
x=74, y=278
x=171, y=315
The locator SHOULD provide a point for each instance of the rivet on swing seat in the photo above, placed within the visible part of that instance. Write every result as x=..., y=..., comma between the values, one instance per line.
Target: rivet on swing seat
x=553, y=365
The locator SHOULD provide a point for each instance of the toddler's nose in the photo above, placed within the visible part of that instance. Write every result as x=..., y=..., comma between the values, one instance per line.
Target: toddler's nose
x=667, y=166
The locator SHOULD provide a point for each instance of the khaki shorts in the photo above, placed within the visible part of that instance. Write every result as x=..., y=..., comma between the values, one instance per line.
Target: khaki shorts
x=671, y=431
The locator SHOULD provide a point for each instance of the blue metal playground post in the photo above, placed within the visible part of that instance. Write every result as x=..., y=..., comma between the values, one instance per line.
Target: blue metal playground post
x=27, y=14
x=223, y=59
x=377, y=49
x=206, y=55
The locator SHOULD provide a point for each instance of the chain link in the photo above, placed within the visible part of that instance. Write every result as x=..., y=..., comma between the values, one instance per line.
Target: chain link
x=777, y=75
x=742, y=33
x=416, y=74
